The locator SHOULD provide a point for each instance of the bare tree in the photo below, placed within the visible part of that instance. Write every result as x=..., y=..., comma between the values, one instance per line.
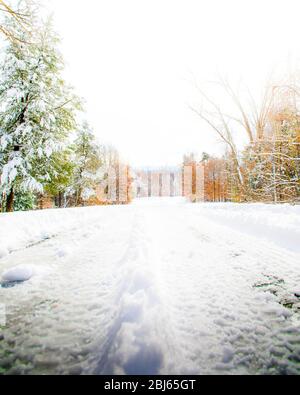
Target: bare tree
x=255, y=119
x=268, y=167
x=212, y=114
x=250, y=117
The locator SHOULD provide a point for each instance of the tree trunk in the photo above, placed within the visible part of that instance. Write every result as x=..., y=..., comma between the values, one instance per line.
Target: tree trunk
x=78, y=201
x=10, y=201
x=60, y=200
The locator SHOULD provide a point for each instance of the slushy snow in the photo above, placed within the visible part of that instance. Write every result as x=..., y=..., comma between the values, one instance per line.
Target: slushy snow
x=157, y=287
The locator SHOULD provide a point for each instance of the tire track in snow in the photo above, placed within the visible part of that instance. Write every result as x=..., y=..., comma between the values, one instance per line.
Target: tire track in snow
x=138, y=339
x=53, y=321
x=152, y=290
x=221, y=323
x=179, y=279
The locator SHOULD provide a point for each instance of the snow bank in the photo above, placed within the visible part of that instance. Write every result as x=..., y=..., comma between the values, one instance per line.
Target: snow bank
x=22, y=229
x=279, y=224
x=276, y=223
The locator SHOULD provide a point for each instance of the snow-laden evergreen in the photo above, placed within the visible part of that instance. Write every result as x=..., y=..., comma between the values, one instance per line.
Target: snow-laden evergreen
x=37, y=108
x=88, y=162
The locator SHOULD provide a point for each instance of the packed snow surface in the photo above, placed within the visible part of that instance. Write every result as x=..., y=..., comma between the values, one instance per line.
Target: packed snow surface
x=158, y=287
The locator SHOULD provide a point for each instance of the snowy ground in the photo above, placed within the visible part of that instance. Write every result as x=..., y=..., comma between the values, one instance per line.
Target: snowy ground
x=161, y=286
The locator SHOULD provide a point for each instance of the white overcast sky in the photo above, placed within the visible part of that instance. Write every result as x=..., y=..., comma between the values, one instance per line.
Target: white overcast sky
x=133, y=61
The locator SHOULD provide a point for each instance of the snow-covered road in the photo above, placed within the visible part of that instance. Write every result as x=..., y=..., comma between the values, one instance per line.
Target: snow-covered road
x=158, y=287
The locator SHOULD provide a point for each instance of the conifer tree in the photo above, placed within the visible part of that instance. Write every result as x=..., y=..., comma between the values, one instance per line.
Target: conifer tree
x=87, y=159
x=37, y=109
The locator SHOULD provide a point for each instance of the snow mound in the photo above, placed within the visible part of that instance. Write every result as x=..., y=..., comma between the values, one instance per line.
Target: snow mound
x=18, y=273
x=63, y=252
x=22, y=273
